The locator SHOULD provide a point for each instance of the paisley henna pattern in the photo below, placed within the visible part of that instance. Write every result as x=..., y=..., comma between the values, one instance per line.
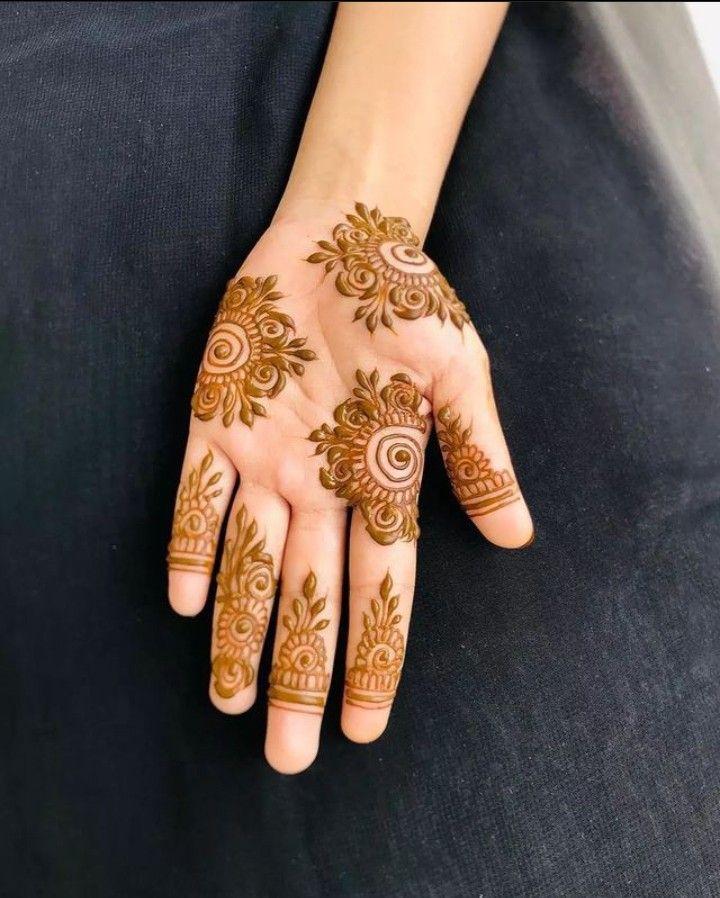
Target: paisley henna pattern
x=375, y=455
x=299, y=675
x=246, y=586
x=479, y=489
x=195, y=523
x=250, y=353
x=382, y=266
x=372, y=680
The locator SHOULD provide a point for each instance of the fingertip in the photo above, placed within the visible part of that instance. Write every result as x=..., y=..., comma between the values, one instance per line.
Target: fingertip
x=292, y=740
x=363, y=726
x=187, y=592
x=529, y=542
x=237, y=704
x=508, y=528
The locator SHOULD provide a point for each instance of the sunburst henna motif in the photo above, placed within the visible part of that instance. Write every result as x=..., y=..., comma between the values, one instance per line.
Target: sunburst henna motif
x=246, y=586
x=479, y=489
x=195, y=523
x=375, y=455
x=250, y=353
x=382, y=266
x=299, y=675
x=372, y=680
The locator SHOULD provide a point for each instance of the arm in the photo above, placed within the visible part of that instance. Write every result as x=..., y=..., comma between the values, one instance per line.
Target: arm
x=394, y=89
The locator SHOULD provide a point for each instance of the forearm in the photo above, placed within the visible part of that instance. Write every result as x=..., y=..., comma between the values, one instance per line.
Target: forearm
x=393, y=92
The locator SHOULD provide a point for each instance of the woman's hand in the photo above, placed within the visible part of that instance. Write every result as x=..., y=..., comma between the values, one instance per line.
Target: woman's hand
x=333, y=350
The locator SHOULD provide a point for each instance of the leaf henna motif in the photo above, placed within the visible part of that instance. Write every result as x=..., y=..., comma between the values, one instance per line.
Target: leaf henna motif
x=299, y=675
x=375, y=455
x=372, y=680
x=479, y=489
x=381, y=265
x=250, y=353
x=195, y=522
x=246, y=586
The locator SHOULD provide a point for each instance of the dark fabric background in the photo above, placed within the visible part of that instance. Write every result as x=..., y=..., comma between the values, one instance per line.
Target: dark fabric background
x=557, y=732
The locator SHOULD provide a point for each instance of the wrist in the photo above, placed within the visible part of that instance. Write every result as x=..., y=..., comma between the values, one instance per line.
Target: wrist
x=329, y=177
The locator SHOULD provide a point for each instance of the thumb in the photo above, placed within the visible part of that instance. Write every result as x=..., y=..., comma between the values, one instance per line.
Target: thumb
x=474, y=450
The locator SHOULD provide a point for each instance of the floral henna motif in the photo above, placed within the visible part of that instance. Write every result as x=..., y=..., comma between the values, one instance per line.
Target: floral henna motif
x=382, y=265
x=299, y=675
x=375, y=455
x=246, y=586
x=479, y=489
x=249, y=355
x=195, y=523
x=372, y=680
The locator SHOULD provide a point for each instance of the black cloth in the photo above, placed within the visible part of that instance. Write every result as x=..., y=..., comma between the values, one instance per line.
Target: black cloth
x=557, y=730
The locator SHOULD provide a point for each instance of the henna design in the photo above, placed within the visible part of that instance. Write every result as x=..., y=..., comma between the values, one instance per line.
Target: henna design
x=195, y=522
x=375, y=455
x=246, y=586
x=299, y=675
x=372, y=680
x=382, y=266
x=479, y=489
x=250, y=353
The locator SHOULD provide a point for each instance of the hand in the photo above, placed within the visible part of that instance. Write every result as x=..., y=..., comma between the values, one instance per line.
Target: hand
x=333, y=349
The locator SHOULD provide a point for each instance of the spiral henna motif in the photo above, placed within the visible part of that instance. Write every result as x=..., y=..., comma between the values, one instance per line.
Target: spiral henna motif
x=250, y=353
x=228, y=349
x=398, y=456
x=246, y=586
x=375, y=455
x=380, y=263
x=479, y=489
x=372, y=680
x=299, y=675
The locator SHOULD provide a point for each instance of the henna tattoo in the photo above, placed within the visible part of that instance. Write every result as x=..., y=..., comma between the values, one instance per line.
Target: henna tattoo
x=246, y=586
x=382, y=266
x=195, y=522
x=250, y=353
x=479, y=489
x=372, y=680
x=375, y=455
x=299, y=675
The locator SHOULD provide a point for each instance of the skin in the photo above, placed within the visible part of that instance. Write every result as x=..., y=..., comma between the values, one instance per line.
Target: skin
x=418, y=65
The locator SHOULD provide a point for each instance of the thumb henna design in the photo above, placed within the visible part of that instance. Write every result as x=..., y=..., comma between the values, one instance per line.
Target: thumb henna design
x=478, y=487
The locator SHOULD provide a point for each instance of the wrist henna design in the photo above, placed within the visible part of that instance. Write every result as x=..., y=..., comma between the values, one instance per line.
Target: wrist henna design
x=375, y=455
x=250, y=353
x=195, y=522
x=382, y=266
x=299, y=675
x=479, y=489
x=246, y=586
x=373, y=679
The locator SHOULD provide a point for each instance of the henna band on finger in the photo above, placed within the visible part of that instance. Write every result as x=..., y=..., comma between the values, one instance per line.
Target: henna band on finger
x=478, y=487
x=299, y=676
x=371, y=683
x=195, y=522
x=246, y=586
